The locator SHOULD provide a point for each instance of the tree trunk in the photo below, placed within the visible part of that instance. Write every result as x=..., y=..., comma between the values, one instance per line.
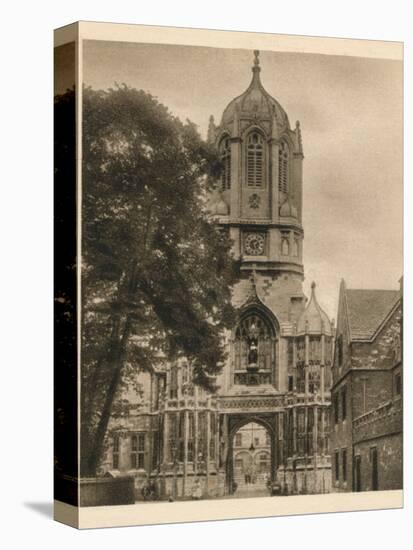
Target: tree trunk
x=88, y=387
x=117, y=360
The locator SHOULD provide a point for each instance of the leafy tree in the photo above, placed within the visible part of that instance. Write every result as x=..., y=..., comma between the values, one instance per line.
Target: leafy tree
x=156, y=271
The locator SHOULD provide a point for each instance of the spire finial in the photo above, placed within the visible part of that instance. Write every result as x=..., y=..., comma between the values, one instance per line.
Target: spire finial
x=298, y=136
x=256, y=68
x=211, y=130
x=256, y=57
x=313, y=285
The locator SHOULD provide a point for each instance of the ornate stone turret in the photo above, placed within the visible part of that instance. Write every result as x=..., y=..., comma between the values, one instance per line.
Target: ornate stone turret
x=314, y=349
x=314, y=320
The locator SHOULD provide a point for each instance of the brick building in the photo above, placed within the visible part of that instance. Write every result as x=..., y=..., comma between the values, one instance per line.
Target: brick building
x=278, y=373
x=366, y=420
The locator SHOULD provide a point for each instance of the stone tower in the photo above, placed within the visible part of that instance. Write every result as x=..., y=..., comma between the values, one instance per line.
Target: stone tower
x=279, y=353
x=259, y=198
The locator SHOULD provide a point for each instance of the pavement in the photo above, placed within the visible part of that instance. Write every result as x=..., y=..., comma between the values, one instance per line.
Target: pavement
x=250, y=490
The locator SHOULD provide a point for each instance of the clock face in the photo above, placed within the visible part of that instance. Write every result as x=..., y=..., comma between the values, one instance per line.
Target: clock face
x=254, y=244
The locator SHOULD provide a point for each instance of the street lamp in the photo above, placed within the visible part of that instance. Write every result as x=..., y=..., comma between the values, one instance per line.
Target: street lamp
x=252, y=448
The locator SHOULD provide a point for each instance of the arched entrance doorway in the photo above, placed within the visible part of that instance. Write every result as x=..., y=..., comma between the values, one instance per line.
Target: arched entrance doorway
x=251, y=458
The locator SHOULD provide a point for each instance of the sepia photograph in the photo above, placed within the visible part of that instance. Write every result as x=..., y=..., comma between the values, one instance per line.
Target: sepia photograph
x=205, y=274
x=240, y=257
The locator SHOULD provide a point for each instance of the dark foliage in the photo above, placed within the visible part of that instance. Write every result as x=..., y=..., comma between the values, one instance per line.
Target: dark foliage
x=156, y=271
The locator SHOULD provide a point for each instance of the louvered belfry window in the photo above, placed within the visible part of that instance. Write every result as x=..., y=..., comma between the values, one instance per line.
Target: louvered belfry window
x=225, y=153
x=283, y=167
x=255, y=160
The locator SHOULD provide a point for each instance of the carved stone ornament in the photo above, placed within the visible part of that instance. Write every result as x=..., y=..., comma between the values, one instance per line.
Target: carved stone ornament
x=254, y=200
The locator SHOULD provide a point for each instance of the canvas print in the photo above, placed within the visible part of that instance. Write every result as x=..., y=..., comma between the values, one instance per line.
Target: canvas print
x=239, y=291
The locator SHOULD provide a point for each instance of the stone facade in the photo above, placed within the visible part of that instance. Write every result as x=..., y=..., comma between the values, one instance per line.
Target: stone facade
x=367, y=424
x=278, y=375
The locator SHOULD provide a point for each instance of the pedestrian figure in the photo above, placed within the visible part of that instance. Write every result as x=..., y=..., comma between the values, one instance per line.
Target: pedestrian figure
x=197, y=491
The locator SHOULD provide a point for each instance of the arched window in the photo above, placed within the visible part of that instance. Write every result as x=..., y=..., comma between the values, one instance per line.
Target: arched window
x=255, y=160
x=283, y=159
x=254, y=350
x=225, y=154
x=173, y=383
x=138, y=451
x=285, y=244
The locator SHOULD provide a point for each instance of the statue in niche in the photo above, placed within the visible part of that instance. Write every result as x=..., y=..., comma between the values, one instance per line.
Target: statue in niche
x=253, y=353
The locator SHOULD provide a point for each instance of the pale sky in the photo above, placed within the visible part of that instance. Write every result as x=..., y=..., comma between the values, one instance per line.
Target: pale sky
x=350, y=110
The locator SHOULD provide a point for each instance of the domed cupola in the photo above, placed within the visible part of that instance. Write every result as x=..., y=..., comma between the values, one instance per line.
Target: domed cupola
x=313, y=319
x=255, y=102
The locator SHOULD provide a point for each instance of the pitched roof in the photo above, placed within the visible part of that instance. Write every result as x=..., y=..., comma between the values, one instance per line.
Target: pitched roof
x=367, y=309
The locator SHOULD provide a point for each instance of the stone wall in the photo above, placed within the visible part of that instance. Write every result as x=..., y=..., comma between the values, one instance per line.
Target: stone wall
x=370, y=389
x=341, y=433
x=171, y=486
x=374, y=413
x=107, y=491
x=381, y=421
x=305, y=477
x=276, y=292
x=390, y=462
